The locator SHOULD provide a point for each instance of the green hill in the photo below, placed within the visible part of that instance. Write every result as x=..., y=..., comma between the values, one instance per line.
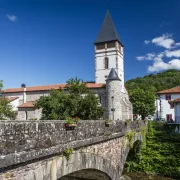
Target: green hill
x=160, y=81
x=142, y=90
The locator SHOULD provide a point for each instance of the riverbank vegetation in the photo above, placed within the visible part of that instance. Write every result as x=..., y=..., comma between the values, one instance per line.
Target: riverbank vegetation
x=159, y=154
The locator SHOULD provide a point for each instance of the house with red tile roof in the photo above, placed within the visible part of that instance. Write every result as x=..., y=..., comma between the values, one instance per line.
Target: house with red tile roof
x=169, y=103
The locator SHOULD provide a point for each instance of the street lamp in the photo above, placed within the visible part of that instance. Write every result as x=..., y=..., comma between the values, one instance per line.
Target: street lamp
x=112, y=109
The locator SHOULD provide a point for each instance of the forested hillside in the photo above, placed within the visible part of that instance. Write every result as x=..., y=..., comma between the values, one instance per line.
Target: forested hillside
x=161, y=81
x=142, y=90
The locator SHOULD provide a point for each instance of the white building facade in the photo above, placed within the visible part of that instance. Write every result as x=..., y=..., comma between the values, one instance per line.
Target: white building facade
x=168, y=104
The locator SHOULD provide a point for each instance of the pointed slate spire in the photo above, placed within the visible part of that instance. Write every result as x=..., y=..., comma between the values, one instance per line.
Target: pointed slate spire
x=113, y=75
x=108, y=31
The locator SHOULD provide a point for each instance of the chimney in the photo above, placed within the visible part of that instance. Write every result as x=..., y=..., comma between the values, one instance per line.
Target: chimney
x=24, y=92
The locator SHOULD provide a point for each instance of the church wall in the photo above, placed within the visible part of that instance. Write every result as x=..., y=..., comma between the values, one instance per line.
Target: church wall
x=102, y=95
x=31, y=113
x=33, y=96
x=127, y=110
x=20, y=95
x=35, y=113
x=120, y=70
x=15, y=104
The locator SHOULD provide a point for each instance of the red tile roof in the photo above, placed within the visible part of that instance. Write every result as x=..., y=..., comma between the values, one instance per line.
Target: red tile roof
x=49, y=87
x=27, y=105
x=172, y=91
x=10, y=99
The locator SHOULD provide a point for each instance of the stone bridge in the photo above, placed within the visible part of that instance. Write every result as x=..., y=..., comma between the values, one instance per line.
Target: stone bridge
x=46, y=150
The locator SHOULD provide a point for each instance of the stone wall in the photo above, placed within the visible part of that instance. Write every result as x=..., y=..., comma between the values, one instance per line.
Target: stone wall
x=34, y=96
x=22, y=141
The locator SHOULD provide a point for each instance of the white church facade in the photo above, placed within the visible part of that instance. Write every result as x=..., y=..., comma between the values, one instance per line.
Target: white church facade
x=108, y=85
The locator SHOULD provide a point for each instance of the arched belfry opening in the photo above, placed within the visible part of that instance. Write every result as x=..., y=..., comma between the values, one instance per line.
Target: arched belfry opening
x=86, y=174
x=106, y=63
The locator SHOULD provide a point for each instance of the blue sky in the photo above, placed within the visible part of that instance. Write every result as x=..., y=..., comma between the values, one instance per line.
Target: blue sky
x=49, y=41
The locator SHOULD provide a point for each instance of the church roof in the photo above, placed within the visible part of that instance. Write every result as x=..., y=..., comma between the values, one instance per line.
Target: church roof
x=10, y=99
x=49, y=87
x=108, y=31
x=113, y=75
x=29, y=104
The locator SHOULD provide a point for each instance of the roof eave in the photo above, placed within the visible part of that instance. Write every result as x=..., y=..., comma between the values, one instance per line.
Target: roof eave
x=168, y=92
x=98, y=42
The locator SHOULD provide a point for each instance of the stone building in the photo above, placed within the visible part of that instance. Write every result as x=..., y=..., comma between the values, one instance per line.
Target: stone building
x=108, y=85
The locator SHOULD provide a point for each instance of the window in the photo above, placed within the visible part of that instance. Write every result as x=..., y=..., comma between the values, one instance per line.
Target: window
x=100, y=46
x=171, y=106
x=26, y=115
x=111, y=44
x=100, y=99
x=116, y=63
x=168, y=97
x=168, y=117
x=106, y=63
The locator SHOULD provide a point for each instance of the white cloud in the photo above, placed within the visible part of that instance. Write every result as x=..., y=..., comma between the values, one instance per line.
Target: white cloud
x=177, y=44
x=160, y=60
x=149, y=56
x=175, y=53
x=159, y=56
x=161, y=65
x=140, y=58
x=147, y=41
x=165, y=41
x=11, y=17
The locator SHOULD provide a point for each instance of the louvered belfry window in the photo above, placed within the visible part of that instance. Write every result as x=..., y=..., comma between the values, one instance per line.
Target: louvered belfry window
x=111, y=45
x=106, y=63
x=100, y=46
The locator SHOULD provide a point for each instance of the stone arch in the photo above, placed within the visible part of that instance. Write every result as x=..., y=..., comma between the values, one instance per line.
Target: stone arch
x=81, y=162
x=138, y=137
x=86, y=174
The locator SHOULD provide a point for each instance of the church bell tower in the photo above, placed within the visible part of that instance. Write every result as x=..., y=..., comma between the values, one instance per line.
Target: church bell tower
x=108, y=52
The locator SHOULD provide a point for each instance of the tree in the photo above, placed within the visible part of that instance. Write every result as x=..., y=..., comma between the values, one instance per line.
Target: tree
x=79, y=101
x=6, y=111
x=143, y=102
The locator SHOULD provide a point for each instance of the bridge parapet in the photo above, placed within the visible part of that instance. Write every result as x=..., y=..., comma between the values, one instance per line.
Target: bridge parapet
x=23, y=141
